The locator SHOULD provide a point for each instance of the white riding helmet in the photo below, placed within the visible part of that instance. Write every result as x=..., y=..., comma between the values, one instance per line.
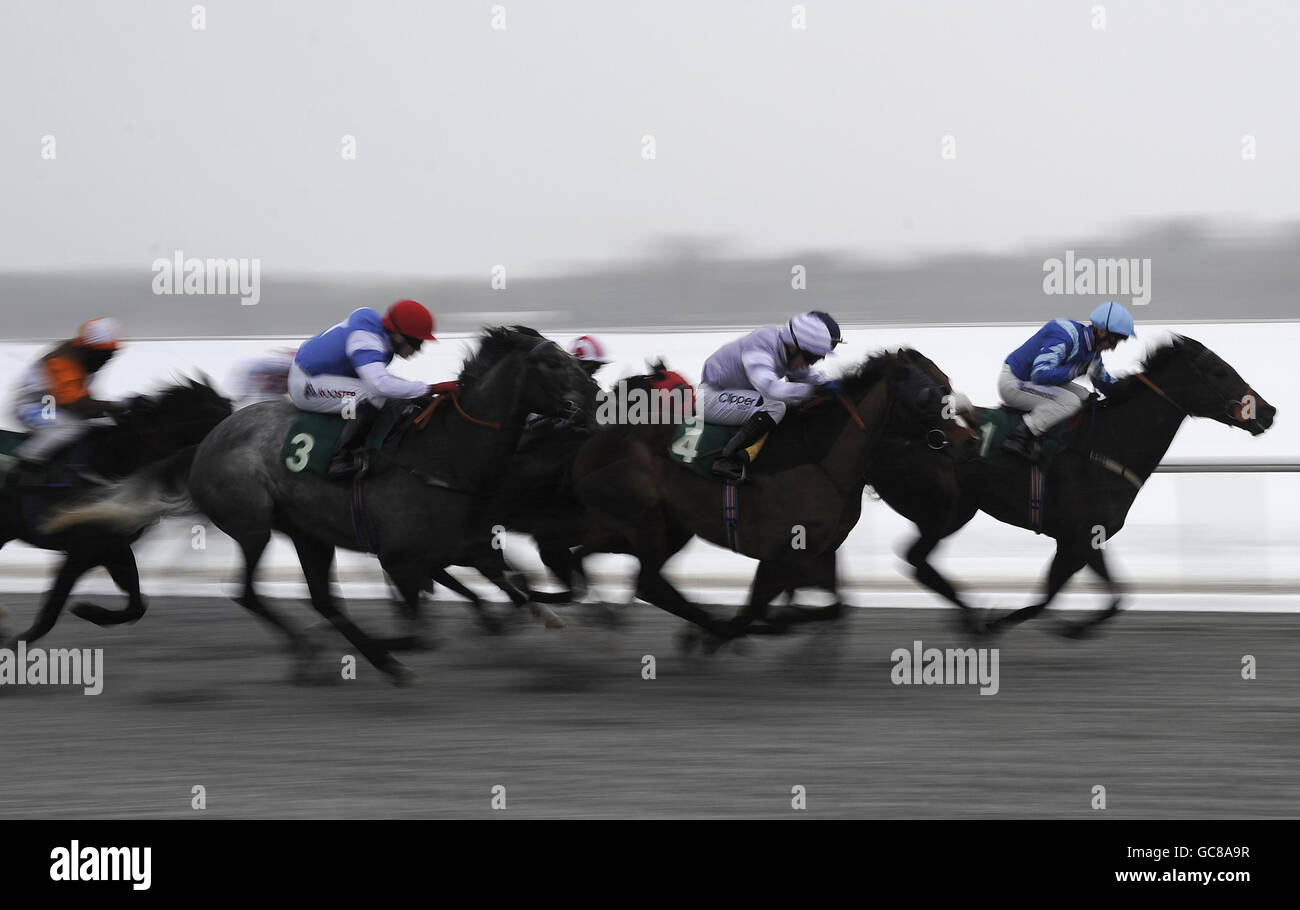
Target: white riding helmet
x=809, y=332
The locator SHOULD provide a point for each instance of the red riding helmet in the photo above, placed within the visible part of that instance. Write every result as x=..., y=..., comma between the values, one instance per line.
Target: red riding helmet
x=584, y=347
x=410, y=319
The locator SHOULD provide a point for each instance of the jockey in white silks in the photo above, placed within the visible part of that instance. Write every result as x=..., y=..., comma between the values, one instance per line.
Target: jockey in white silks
x=749, y=382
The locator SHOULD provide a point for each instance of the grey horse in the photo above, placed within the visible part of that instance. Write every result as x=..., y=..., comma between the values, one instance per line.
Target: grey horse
x=423, y=496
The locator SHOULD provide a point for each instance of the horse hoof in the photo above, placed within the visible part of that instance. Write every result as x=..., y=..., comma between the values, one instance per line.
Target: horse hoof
x=688, y=641
x=1074, y=631
x=401, y=675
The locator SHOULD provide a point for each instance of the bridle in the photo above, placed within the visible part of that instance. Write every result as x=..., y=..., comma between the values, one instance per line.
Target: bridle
x=935, y=437
x=1232, y=408
x=422, y=419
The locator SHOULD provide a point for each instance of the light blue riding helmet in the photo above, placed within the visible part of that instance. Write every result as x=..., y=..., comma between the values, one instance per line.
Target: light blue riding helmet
x=1112, y=317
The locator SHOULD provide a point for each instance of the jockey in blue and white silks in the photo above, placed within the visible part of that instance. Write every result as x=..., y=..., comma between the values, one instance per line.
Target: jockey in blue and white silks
x=349, y=361
x=1038, y=377
x=749, y=381
x=348, y=364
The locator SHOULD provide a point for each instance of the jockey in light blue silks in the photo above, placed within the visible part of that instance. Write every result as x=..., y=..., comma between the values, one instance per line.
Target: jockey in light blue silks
x=348, y=363
x=748, y=382
x=1038, y=376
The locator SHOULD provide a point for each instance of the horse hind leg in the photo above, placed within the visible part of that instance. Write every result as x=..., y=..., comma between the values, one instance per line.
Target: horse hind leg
x=491, y=624
x=253, y=545
x=74, y=566
x=126, y=575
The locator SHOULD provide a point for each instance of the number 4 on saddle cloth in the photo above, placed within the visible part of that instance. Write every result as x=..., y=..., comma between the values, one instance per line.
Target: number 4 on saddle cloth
x=313, y=438
x=698, y=445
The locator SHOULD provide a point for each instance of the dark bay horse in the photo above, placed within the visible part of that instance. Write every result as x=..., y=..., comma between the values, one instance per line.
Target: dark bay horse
x=155, y=435
x=537, y=498
x=804, y=498
x=1091, y=482
x=414, y=506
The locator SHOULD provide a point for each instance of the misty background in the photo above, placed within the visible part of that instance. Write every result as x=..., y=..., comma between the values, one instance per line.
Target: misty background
x=920, y=160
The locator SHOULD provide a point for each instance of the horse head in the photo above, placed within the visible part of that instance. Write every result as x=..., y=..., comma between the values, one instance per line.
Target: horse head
x=1199, y=381
x=543, y=377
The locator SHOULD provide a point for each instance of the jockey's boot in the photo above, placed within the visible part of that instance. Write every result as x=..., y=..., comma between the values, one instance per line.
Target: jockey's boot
x=349, y=454
x=1022, y=443
x=733, y=460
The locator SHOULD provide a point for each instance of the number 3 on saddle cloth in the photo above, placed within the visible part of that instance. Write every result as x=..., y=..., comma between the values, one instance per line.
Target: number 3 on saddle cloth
x=313, y=438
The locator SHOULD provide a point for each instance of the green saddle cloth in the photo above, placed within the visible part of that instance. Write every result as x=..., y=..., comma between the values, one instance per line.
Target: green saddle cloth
x=313, y=438
x=997, y=423
x=697, y=446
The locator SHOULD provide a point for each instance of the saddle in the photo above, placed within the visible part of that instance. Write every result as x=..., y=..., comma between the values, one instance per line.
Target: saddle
x=696, y=446
x=313, y=439
x=997, y=423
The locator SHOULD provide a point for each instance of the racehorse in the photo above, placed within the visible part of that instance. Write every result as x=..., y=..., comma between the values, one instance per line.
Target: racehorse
x=1090, y=484
x=410, y=509
x=804, y=499
x=536, y=498
x=154, y=435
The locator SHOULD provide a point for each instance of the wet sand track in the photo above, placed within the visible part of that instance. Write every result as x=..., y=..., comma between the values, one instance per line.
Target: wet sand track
x=198, y=692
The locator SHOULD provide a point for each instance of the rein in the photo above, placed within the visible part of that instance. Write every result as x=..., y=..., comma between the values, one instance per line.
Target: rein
x=852, y=409
x=422, y=419
x=1159, y=391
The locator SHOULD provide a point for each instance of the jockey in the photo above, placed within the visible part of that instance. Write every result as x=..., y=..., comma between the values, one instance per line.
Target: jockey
x=589, y=353
x=749, y=381
x=54, y=399
x=263, y=378
x=348, y=363
x=1037, y=376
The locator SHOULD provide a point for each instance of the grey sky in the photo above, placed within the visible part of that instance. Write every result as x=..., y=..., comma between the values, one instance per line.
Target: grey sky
x=523, y=146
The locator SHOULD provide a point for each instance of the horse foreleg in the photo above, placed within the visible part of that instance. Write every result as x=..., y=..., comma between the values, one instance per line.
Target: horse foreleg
x=1097, y=562
x=917, y=557
x=821, y=574
x=125, y=574
x=770, y=579
x=1070, y=558
x=566, y=569
x=74, y=566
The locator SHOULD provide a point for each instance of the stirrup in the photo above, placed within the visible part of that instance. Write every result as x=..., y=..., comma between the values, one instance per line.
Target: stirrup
x=731, y=469
x=345, y=464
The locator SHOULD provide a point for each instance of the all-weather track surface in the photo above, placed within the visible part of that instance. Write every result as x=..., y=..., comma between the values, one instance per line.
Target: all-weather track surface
x=1154, y=709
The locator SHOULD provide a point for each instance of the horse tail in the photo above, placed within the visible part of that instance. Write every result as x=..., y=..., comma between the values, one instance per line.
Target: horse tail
x=160, y=490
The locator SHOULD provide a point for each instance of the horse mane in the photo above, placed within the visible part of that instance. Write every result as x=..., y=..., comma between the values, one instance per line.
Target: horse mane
x=182, y=389
x=1156, y=360
x=495, y=343
x=874, y=368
